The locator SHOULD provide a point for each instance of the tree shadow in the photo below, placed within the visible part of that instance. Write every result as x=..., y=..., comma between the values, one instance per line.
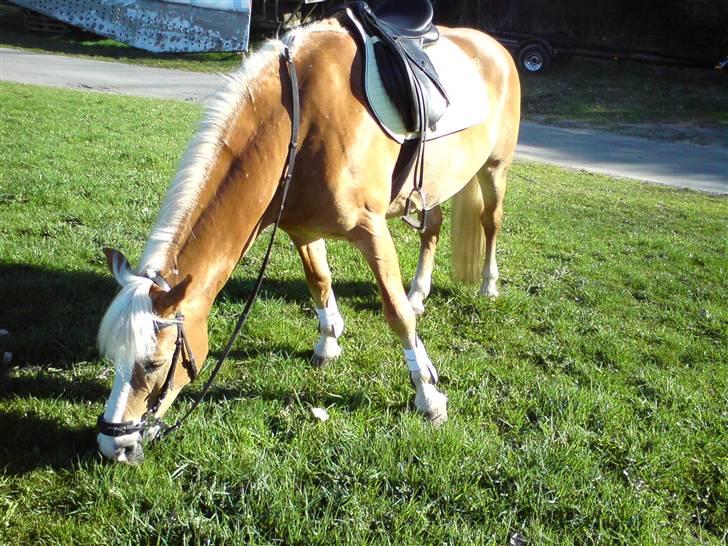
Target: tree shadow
x=52, y=316
x=38, y=442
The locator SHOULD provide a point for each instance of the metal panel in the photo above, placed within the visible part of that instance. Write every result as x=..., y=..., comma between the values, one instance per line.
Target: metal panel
x=152, y=24
x=223, y=5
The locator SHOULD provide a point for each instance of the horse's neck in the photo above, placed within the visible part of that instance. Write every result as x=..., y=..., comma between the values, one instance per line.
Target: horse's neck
x=233, y=205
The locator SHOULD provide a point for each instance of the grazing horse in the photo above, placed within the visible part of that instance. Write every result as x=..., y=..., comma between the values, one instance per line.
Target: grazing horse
x=224, y=195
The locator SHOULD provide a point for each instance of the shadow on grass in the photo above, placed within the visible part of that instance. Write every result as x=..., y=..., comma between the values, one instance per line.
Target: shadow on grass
x=52, y=315
x=361, y=295
x=54, y=386
x=39, y=442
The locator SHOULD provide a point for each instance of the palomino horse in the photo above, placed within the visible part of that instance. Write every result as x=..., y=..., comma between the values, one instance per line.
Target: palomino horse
x=222, y=197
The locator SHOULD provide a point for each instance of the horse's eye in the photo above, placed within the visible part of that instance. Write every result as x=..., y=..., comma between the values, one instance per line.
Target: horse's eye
x=151, y=365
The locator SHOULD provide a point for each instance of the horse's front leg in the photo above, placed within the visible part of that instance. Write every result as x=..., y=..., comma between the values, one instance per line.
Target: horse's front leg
x=318, y=278
x=373, y=239
x=422, y=281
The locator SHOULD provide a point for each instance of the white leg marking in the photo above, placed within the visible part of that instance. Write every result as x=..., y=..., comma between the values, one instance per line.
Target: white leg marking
x=428, y=399
x=490, y=277
x=331, y=326
x=420, y=287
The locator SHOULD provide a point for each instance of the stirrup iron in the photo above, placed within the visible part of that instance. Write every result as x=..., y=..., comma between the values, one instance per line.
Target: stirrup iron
x=409, y=207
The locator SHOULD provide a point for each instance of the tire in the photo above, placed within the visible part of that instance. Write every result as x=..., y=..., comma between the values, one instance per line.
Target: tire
x=534, y=59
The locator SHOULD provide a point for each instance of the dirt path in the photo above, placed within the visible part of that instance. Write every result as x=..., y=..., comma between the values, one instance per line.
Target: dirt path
x=703, y=168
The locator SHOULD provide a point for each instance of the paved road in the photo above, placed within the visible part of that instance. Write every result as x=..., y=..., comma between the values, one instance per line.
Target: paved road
x=693, y=166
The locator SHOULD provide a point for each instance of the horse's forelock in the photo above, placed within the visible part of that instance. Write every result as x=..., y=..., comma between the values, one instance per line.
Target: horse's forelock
x=127, y=333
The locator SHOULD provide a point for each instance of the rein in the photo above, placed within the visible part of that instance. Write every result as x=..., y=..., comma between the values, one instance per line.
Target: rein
x=148, y=420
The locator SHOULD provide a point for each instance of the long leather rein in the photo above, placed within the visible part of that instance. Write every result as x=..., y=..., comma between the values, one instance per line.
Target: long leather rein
x=182, y=347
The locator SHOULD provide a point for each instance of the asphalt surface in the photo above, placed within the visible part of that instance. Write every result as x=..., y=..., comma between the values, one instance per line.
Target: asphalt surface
x=703, y=168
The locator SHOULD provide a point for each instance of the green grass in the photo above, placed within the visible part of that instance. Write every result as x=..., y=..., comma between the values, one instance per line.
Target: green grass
x=588, y=403
x=657, y=102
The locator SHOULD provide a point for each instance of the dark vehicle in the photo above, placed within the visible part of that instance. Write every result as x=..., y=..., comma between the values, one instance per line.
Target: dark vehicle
x=534, y=53
x=538, y=33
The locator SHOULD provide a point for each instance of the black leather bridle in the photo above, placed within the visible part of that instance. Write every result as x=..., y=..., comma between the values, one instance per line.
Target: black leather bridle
x=182, y=350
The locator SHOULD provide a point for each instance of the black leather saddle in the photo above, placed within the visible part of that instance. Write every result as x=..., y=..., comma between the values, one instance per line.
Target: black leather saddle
x=403, y=29
x=411, y=19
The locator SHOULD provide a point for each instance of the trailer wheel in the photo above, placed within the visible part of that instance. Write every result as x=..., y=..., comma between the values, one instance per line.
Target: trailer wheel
x=534, y=59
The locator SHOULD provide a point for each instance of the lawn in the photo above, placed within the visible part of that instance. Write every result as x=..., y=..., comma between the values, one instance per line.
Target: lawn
x=588, y=403
x=658, y=102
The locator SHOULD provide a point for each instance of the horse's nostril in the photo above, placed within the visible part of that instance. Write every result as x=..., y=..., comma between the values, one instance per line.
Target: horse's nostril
x=134, y=454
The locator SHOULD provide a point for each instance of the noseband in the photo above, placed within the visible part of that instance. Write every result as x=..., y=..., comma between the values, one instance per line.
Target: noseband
x=182, y=348
x=182, y=351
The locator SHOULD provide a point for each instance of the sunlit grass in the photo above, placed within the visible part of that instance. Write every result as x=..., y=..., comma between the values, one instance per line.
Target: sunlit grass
x=588, y=403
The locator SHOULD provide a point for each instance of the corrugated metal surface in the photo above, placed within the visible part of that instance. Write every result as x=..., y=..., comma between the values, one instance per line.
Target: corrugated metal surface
x=223, y=5
x=156, y=25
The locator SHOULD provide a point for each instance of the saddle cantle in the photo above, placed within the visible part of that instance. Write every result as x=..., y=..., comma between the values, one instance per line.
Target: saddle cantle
x=411, y=19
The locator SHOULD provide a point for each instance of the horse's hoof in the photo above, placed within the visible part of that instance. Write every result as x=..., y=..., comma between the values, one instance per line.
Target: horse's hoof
x=325, y=350
x=489, y=290
x=432, y=403
x=319, y=361
x=437, y=420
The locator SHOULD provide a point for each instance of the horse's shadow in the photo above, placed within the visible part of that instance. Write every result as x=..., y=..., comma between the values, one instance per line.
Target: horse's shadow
x=52, y=317
x=362, y=296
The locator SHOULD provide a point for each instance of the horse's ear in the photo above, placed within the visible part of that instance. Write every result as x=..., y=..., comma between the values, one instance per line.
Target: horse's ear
x=165, y=301
x=117, y=263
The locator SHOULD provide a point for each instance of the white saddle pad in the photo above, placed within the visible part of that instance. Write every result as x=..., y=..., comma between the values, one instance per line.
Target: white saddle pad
x=463, y=84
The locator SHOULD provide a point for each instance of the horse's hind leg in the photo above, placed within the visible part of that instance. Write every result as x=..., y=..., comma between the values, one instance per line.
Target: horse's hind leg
x=318, y=278
x=373, y=239
x=493, y=187
x=422, y=281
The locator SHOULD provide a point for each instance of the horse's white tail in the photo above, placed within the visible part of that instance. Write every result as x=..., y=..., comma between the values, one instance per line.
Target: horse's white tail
x=467, y=239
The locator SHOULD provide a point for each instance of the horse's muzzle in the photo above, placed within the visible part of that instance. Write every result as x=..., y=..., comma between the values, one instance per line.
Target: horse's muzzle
x=122, y=449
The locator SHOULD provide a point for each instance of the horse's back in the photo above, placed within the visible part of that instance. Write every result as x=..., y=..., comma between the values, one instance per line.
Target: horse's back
x=353, y=156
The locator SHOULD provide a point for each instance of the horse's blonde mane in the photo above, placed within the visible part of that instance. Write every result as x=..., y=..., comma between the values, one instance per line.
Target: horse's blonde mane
x=127, y=333
x=183, y=193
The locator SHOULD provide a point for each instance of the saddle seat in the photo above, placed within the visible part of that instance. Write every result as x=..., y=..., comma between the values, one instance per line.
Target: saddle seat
x=411, y=19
